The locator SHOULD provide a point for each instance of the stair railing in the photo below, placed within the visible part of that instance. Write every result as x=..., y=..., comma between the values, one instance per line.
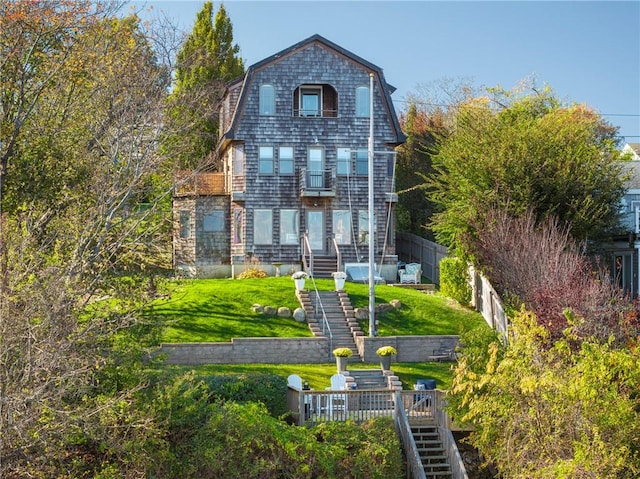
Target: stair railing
x=306, y=250
x=319, y=307
x=338, y=254
x=414, y=462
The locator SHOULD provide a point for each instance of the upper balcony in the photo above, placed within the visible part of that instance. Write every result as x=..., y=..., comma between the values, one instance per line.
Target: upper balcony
x=188, y=183
x=316, y=183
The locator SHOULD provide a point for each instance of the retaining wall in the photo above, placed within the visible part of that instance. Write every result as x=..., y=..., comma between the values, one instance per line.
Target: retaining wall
x=249, y=350
x=303, y=350
x=411, y=349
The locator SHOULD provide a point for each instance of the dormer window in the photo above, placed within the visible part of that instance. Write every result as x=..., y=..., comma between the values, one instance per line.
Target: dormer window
x=315, y=101
x=310, y=99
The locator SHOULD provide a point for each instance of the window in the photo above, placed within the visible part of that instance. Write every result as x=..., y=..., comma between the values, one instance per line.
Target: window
x=310, y=101
x=362, y=162
x=343, y=161
x=267, y=100
x=289, y=226
x=315, y=101
x=316, y=165
x=266, y=160
x=285, y=158
x=185, y=224
x=262, y=227
x=238, y=160
x=363, y=227
x=237, y=226
x=362, y=101
x=213, y=222
x=391, y=163
x=342, y=226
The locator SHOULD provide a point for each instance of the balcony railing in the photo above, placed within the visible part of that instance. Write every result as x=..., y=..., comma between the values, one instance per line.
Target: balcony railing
x=189, y=183
x=317, y=182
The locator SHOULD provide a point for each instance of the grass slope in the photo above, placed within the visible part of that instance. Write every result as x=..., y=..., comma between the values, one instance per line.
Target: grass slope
x=220, y=309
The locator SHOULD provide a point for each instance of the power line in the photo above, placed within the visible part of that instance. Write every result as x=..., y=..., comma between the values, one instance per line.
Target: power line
x=447, y=105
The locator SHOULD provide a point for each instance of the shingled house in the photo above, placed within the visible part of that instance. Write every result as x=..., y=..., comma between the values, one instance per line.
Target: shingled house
x=293, y=187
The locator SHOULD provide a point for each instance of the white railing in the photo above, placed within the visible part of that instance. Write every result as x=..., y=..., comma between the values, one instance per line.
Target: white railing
x=311, y=407
x=415, y=469
x=486, y=300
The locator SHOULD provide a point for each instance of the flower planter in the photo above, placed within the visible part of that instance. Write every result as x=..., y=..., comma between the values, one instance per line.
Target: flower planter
x=339, y=277
x=300, y=284
x=341, y=363
x=385, y=362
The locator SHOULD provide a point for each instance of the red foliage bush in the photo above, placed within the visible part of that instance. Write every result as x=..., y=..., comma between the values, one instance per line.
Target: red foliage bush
x=539, y=265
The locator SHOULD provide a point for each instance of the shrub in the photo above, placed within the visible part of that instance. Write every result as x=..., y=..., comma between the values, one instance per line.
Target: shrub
x=268, y=389
x=252, y=273
x=342, y=352
x=386, y=351
x=454, y=280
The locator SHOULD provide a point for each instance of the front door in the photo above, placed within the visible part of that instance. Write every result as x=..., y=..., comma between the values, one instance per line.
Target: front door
x=315, y=227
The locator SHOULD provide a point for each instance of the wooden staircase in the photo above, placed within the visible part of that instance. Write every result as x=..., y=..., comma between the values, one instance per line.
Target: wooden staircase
x=340, y=317
x=432, y=453
x=323, y=266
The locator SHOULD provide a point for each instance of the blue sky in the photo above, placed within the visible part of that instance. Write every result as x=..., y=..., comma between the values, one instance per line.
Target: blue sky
x=587, y=51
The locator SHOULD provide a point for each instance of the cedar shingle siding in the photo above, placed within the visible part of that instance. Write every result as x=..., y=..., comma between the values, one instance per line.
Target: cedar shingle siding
x=335, y=74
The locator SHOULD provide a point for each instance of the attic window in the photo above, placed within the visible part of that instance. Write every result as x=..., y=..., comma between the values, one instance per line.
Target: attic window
x=315, y=101
x=267, y=100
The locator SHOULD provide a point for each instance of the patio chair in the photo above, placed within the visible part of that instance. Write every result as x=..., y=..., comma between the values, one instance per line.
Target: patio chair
x=337, y=402
x=412, y=273
x=294, y=381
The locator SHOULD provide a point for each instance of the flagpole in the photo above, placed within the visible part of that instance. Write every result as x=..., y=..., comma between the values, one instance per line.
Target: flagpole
x=372, y=297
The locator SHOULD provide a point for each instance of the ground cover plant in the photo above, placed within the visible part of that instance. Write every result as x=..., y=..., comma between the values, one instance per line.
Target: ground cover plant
x=220, y=309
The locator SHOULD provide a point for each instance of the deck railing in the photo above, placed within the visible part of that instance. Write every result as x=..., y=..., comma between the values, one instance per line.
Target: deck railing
x=311, y=407
x=415, y=469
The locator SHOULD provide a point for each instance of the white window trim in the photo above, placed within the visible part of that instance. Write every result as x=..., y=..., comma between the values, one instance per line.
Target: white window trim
x=301, y=92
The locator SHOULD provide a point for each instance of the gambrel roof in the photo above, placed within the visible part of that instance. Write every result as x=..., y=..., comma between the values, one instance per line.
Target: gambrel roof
x=246, y=80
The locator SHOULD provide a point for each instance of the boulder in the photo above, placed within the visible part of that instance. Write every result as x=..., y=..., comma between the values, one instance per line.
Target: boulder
x=284, y=312
x=299, y=315
x=257, y=308
x=270, y=311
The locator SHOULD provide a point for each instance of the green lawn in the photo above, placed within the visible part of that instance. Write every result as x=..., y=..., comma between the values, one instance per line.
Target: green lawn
x=220, y=309
x=318, y=374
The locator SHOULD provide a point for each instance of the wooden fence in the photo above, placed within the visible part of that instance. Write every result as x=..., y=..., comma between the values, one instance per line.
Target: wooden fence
x=414, y=249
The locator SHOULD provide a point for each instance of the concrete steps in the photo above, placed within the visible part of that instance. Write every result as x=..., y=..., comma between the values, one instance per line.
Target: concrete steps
x=369, y=378
x=339, y=314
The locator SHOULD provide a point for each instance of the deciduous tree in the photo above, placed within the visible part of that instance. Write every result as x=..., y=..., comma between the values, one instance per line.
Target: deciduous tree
x=79, y=138
x=515, y=152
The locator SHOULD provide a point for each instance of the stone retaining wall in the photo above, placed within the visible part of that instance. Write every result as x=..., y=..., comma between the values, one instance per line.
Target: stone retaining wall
x=250, y=350
x=410, y=348
x=304, y=350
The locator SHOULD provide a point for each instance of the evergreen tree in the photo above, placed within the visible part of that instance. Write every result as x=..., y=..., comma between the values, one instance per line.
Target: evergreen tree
x=207, y=59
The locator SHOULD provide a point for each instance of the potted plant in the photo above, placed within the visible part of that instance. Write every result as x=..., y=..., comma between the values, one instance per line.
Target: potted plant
x=299, y=277
x=339, y=277
x=342, y=356
x=386, y=353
